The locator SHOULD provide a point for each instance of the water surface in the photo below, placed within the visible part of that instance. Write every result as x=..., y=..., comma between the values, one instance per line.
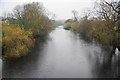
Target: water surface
x=63, y=54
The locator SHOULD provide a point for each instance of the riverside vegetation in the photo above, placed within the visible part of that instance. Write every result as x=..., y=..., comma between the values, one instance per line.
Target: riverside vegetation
x=22, y=28
x=104, y=28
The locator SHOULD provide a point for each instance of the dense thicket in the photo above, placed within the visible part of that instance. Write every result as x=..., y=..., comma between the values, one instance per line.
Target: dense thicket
x=16, y=42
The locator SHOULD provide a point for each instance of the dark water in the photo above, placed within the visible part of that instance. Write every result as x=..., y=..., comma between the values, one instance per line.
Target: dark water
x=63, y=55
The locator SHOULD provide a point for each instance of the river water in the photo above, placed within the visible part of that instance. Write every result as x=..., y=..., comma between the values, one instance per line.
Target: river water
x=63, y=54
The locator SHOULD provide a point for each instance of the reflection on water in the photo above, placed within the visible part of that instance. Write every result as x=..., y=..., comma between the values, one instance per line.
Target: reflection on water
x=63, y=55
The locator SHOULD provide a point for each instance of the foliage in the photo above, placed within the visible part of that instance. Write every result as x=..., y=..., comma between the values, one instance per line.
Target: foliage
x=101, y=32
x=103, y=27
x=71, y=25
x=98, y=30
x=74, y=26
x=26, y=22
x=84, y=26
x=16, y=41
x=32, y=17
x=67, y=25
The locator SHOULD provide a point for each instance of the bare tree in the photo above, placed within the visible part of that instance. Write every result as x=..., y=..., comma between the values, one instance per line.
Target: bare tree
x=51, y=16
x=108, y=11
x=87, y=13
x=75, y=14
x=17, y=12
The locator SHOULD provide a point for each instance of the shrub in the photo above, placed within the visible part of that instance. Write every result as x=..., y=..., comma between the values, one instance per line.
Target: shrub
x=75, y=26
x=16, y=41
x=97, y=29
x=67, y=25
x=85, y=26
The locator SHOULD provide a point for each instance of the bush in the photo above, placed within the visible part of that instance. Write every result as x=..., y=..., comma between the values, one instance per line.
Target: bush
x=85, y=26
x=97, y=29
x=16, y=41
x=101, y=32
x=74, y=26
x=67, y=25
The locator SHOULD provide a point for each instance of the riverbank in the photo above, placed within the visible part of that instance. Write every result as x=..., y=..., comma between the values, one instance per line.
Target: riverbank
x=18, y=42
x=20, y=31
x=97, y=30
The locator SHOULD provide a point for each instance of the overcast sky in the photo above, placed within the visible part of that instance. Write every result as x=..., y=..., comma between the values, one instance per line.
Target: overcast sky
x=62, y=8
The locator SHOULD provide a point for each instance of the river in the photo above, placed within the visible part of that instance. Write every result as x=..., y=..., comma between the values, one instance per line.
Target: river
x=63, y=54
